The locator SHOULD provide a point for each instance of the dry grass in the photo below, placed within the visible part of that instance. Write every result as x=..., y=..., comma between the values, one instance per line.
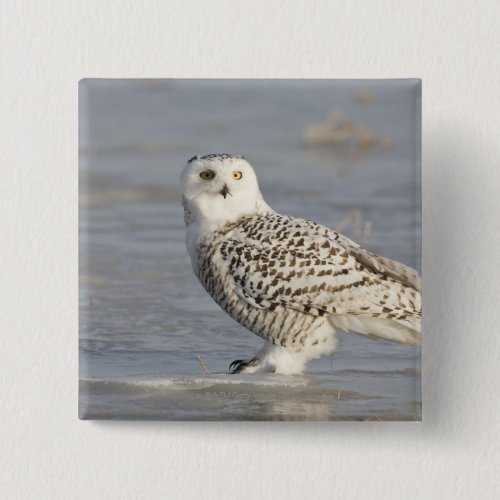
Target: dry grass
x=203, y=365
x=361, y=230
x=337, y=129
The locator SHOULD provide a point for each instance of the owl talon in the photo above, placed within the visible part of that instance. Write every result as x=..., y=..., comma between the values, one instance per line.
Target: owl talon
x=239, y=365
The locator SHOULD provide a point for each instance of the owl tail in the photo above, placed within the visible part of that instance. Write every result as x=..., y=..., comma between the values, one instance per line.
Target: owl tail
x=402, y=331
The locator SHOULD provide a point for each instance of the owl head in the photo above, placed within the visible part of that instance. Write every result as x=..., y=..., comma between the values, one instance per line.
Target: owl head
x=219, y=188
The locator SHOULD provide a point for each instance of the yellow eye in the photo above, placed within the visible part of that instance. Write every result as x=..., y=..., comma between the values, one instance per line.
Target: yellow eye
x=207, y=174
x=237, y=175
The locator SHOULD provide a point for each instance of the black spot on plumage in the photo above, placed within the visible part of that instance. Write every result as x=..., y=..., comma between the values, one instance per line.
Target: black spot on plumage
x=221, y=156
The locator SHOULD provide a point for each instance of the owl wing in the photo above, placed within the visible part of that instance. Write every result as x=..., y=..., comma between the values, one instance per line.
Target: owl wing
x=380, y=265
x=279, y=261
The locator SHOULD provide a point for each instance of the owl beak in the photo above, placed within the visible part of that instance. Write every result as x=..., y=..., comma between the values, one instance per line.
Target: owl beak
x=224, y=191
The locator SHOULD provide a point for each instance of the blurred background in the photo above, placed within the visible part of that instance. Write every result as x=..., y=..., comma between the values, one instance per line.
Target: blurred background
x=344, y=153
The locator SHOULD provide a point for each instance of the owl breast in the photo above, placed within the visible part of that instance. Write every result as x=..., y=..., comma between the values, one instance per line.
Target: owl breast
x=280, y=325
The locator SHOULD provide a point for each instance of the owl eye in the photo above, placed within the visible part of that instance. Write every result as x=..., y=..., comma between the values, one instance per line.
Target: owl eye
x=207, y=174
x=237, y=175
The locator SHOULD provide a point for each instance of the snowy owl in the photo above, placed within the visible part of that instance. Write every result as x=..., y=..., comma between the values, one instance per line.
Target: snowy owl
x=290, y=281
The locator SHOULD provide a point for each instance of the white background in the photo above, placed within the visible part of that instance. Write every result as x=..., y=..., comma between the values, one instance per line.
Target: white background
x=46, y=47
